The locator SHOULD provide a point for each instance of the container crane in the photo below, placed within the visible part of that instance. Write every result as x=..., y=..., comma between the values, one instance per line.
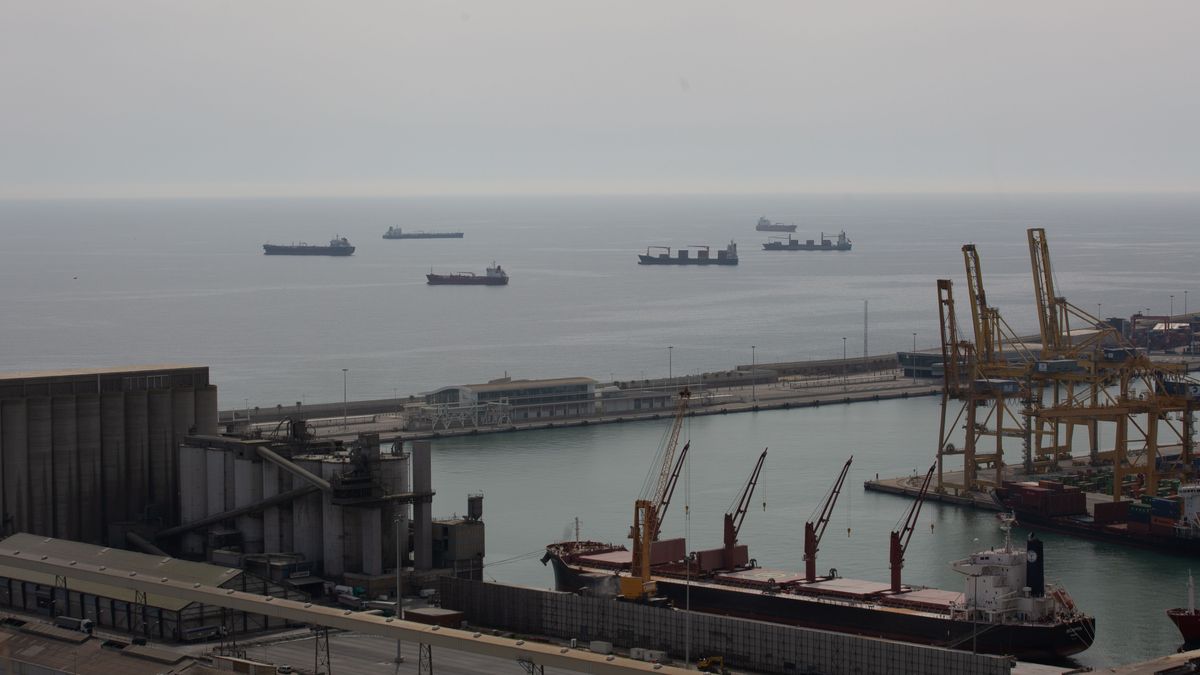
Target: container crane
x=737, y=514
x=814, y=531
x=647, y=511
x=901, y=537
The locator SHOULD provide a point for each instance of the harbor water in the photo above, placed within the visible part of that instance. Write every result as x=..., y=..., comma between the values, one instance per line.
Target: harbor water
x=100, y=283
x=536, y=483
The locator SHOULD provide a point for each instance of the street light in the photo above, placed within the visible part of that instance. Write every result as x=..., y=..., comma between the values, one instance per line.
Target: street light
x=670, y=349
x=1172, y=306
x=399, y=598
x=843, y=364
x=753, y=377
x=345, y=398
x=912, y=361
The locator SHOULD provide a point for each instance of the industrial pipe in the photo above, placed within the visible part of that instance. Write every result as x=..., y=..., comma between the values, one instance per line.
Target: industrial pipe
x=294, y=469
x=281, y=498
x=146, y=547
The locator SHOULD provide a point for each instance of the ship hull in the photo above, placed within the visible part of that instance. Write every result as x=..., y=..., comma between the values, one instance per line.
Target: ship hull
x=1188, y=624
x=797, y=246
x=1023, y=641
x=655, y=260
x=428, y=235
x=457, y=280
x=275, y=249
x=776, y=228
x=1065, y=525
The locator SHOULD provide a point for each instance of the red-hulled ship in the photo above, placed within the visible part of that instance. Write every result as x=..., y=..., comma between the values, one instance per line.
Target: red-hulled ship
x=1006, y=606
x=1187, y=620
x=495, y=276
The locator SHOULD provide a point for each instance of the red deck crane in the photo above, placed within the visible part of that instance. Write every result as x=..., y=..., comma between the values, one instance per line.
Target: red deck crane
x=901, y=537
x=735, y=515
x=814, y=531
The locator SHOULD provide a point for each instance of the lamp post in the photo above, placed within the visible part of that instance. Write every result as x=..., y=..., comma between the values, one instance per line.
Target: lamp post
x=247, y=402
x=843, y=364
x=1172, y=305
x=913, y=359
x=753, y=376
x=399, y=598
x=1098, y=314
x=345, y=398
x=670, y=350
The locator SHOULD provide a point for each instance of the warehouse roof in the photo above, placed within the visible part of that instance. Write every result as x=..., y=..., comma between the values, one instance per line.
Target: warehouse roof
x=141, y=563
x=91, y=372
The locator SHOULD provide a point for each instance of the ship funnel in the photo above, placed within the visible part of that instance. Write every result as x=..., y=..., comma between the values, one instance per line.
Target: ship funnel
x=1035, y=567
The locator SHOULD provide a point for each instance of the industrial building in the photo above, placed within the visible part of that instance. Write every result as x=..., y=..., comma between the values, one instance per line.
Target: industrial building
x=83, y=449
x=141, y=614
x=298, y=509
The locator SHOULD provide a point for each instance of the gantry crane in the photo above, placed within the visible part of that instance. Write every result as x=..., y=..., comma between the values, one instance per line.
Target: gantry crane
x=1095, y=375
x=900, y=537
x=647, y=511
x=990, y=377
x=737, y=513
x=813, y=531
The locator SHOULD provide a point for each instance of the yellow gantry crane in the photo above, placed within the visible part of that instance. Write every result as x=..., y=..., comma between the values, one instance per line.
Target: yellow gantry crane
x=1092, y=376
x=650, y=508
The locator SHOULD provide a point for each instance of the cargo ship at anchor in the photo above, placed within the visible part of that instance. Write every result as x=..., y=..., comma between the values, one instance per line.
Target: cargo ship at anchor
x=765, y=225
x=1006, y=607
x=338, y=246
x=495, y=276
x=398, y=233
x=780, y=244
x=684, y=256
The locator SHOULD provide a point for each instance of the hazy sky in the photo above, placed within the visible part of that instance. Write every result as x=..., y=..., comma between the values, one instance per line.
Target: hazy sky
x=167, y=97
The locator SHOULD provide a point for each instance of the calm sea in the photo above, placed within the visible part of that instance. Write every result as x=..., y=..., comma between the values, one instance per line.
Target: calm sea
x=90, y=283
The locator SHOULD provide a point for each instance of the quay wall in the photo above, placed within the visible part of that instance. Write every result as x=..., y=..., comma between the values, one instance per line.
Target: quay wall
x=753, y=645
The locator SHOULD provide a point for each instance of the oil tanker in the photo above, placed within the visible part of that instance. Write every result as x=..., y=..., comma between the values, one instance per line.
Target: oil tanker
x=338, y=246
x=495, y=276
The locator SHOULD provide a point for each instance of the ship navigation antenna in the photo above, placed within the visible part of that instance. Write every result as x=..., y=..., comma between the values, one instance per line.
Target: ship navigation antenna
x=1007, y=520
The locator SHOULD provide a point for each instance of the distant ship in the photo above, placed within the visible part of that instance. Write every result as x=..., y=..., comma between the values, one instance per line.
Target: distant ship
x=843, y=244
x=337, y=246
x=495, y=276
x=684, y=257
x=765, y=225
x=397, y=233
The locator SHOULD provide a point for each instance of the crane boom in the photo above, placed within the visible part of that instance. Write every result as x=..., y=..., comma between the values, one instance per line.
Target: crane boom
x=1043, y=289
x=663, y=484
x=735, y=516
x=901, y=537
x=814, y=531
x=662, y=509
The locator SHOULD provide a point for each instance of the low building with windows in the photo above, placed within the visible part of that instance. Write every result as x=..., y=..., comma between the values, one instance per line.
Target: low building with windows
x=507, y=400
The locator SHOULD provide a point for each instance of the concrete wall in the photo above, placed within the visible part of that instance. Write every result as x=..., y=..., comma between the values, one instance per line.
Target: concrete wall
x=82, y=449
x=753, y=645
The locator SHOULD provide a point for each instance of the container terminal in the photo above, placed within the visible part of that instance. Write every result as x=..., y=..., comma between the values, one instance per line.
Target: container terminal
x=1022, y=422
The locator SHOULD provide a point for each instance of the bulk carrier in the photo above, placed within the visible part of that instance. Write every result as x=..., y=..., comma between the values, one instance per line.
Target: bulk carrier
x=789, y=244
x=398, y=233
x=765, y=225
x=1006, y=607
x=684, y=256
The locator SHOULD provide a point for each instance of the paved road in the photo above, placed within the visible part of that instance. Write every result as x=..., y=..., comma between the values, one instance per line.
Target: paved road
x=351, y=653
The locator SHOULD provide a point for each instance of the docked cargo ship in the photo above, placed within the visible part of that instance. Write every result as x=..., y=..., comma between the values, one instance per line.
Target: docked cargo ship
x=495, y=276
x=1006, y=607
x=337, y=246
x=790, y=244
x=684, y=256
x=765, y=225
x=398, y=233
x=1169, y=524
x=1187, y=620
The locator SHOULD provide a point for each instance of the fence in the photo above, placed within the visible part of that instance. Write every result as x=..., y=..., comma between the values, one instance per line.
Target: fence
x=754, y=645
